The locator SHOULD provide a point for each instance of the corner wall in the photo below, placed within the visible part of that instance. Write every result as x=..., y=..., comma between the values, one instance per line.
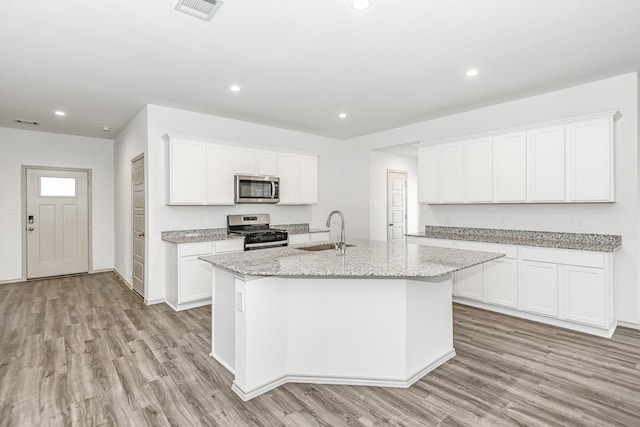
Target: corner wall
x=21, y=147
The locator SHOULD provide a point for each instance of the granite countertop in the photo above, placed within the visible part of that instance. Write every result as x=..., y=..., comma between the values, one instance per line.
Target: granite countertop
x=546, y=239
x=197, y=236
x=369, y=259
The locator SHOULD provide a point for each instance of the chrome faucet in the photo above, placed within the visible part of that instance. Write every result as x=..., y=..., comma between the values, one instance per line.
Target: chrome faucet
x=340, y=244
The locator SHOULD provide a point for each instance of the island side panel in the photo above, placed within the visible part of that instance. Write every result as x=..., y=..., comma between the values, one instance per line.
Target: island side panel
x=261, y=335
x=223, y=318
x=341, y=329
x=429, y=325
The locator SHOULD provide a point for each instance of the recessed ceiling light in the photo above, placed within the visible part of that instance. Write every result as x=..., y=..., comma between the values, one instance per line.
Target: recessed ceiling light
x=60, y=113
x=342, y=115
x=360, y=4
x=106, y=128
x=472, y=72
x=234, y=88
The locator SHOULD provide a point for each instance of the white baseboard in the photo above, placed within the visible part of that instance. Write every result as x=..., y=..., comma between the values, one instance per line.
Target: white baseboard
x=341, y=380
x=628, y=325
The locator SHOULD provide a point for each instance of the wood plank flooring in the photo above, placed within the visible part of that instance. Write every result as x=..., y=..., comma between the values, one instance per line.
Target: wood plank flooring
x=86, y=351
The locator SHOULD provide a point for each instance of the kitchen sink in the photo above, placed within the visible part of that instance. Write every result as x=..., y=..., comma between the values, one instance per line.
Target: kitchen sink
x=322, y=247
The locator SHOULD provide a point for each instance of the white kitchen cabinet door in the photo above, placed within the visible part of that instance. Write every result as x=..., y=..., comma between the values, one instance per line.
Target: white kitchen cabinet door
x=308, y=180
x=546, y=164
x=289, y=173
x=267, y=163
x=256, y=162
x=451, y=168
x=186, y=172
x=220, y=168
x=469, y=283
x=590, y=160
x=428, y=180
x=510, y=167
x=501, y=282
x=246, y=161
x=478, y=170
x=584, y=295
x=195, y=279
x=538, y=287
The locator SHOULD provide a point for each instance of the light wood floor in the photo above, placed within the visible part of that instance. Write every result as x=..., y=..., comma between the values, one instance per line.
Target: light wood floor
x=85, y=351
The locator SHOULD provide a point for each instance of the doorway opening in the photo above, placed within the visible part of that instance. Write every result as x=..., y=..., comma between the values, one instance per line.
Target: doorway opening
x=56, y=221
x=396, y=205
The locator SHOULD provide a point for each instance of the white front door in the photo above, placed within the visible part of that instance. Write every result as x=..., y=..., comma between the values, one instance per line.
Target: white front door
x=137, y=196
x=396, y=205
x=57, y=222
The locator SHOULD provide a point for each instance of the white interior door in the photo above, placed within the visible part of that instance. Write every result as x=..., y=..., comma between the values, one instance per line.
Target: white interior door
x=57, y=222
x=137, y=201
x=396, y=205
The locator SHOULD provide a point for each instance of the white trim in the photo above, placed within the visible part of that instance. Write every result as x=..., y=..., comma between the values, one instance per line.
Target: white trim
x=226, y=365
x=341, y=380
x=630, y=325
x=188, y=305
x=593, y=330
x=615, y=114
x=235, y=144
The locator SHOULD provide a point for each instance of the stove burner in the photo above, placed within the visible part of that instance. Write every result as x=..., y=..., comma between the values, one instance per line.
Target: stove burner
x=256, y=231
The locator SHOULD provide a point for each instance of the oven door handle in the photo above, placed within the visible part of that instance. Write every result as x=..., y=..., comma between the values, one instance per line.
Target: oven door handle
x=273, y=190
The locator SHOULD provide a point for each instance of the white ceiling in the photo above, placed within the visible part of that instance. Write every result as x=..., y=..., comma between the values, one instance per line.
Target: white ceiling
x=300, y=63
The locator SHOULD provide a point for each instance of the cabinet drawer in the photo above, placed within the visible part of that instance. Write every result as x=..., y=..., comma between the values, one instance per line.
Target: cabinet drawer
x=509, y=251
x=231, y=245
x=189, y=249
x=563, y=256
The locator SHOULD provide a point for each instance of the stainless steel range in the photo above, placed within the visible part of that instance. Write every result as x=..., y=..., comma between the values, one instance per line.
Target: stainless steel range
x=256, y=231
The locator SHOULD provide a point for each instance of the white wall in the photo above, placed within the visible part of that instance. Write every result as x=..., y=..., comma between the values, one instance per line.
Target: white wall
x=161, y=217
x=130, y=143
x=618, y=93
x=21, y=147
x=379, y=164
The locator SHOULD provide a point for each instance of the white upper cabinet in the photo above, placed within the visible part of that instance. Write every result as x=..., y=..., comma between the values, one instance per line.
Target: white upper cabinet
x=590, y=160
x=308, y=180
x=451, y=168
x=186, y=172
x=298, y=179
x=220, y=167
x=546, y=164
x=478, y=165
x=561, y=162
x=428, y=175
x=510, y=167
x=256, y=162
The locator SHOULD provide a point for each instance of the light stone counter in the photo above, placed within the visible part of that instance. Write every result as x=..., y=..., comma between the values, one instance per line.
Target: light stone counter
x=545, y=239
x=372, y=259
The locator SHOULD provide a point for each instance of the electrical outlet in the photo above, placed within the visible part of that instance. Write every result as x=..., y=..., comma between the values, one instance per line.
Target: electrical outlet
x=502, y=221
x=578, y=224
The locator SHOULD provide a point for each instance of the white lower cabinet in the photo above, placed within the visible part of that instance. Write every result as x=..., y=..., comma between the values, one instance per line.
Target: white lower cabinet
x=469, y=283
x=501, y=282
x=190, y=281
x=539, y=287
x=562, y=287
x=584, y=294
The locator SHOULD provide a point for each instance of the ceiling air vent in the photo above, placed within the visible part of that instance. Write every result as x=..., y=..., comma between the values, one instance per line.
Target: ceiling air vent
x=27, y=122
x=203, y=9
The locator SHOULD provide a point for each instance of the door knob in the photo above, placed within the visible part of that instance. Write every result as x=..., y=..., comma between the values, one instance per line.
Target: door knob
x=31, y=229
x=140, y=234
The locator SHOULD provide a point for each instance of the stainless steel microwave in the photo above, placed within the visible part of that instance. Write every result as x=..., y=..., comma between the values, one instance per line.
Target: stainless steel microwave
x=257, y=189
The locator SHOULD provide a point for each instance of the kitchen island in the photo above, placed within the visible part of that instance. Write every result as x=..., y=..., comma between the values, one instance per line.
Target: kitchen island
x=380, y=315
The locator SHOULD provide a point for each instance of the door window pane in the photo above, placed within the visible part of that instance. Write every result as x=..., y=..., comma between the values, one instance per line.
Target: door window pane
x=57, y=187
